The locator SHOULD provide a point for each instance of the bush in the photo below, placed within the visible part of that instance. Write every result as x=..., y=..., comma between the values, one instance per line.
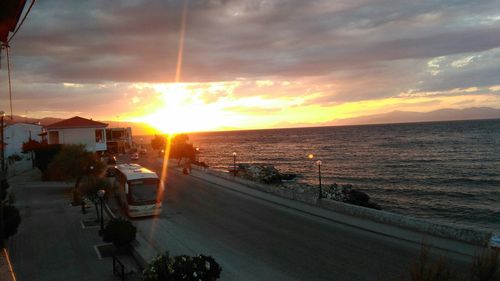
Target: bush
x=484, y=267
x=198, y=268
x=4, y=185
x=44, y=153
x=11, y=219
x=14, y=157
x=120, y=232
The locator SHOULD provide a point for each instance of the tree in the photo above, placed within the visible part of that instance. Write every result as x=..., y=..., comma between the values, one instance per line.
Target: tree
x=158, y=142
x=181, y=148
x=73, y=162
x=44, y=153
x=92, y=187
x=29, y=147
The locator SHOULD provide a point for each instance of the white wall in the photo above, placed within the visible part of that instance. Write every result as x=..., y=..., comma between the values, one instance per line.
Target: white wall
x=16, y=134
x=84, y=136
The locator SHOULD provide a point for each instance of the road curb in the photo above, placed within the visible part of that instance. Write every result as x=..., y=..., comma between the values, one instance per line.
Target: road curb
x=386, y=228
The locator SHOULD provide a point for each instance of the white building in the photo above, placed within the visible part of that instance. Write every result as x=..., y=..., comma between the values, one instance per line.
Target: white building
x=118, y=140
x=17, y=134
x=78, y=130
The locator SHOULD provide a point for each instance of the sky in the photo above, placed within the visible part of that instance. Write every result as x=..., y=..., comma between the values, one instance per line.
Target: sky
x=247, y=64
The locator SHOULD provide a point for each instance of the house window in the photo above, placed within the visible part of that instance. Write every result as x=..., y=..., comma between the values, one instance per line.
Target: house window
x=54, y=137
x=99, y=136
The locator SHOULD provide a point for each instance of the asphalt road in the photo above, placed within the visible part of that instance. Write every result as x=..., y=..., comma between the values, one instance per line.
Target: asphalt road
x=257, y=240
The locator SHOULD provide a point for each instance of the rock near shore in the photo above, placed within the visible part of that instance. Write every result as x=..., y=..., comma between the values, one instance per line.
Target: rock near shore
x=267, y=174
x=345, y=193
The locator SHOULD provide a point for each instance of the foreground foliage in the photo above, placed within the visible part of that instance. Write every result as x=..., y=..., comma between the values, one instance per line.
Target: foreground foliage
x=198, y=268
x=484, y=267
x=11, y=220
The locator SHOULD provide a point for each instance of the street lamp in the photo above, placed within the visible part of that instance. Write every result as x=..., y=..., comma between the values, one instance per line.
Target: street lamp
x=100, y=194
x=2, y=115
x=234, y=164
x=319, y=177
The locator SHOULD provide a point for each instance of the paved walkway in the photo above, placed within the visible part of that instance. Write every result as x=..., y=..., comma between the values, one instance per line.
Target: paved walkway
x=51, y=243
x=259, y=236
x=6, y=272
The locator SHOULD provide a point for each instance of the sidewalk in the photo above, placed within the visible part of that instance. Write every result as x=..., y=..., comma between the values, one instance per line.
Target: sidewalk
x=51, y=242
x=6, y=272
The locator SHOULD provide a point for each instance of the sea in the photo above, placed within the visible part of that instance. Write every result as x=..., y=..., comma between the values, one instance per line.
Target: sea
x=446, y=172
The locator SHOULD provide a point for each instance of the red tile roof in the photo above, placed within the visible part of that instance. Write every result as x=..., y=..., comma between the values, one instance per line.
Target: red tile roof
x=76, y=122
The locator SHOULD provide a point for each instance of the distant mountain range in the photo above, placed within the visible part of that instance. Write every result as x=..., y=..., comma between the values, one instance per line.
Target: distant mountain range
x=472, y=113
x=137, y=128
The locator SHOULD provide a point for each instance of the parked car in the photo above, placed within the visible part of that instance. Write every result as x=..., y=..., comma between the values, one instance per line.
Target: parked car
x=134, y=156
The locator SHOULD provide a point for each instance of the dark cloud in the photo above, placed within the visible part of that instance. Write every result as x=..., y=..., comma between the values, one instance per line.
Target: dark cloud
x=369, y=49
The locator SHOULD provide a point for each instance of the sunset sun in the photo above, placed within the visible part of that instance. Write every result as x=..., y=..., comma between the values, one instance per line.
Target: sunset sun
x=181, y=109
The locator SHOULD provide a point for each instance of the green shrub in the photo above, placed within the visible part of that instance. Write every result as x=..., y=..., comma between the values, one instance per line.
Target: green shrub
x=198, y=268
x=120, y=232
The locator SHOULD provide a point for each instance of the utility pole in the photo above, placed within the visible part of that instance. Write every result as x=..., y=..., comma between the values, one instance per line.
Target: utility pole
x=3, y=177
x=2, y=115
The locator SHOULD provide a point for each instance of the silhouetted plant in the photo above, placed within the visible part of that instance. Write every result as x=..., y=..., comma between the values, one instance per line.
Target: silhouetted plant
x=74, y=162
x=11, y=220
x=198, y=268
x=120, y=232
x=14, y=157
x=93, y=185
x=44, y=153
x=486, y=266
x=180, y=148
x=158, y=142
x=4, y=185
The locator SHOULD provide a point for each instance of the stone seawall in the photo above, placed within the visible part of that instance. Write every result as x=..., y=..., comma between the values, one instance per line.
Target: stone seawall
x=306, y=196
x=471, y=236
x=467, y=235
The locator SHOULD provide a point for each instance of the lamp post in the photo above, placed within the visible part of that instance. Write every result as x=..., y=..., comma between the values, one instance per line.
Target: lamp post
x=2, y=115
x=234, y=164
x=100, y=194
x=319, y=178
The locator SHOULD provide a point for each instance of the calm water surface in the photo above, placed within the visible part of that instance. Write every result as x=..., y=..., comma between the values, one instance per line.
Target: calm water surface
x=443, y=171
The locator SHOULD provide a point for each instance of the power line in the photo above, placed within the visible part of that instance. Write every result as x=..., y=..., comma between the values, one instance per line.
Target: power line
x=22, y=21
x=7, y=47
x=10, y=85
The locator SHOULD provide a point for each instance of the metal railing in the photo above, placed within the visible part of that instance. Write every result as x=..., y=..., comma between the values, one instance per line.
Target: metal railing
x=118, y=268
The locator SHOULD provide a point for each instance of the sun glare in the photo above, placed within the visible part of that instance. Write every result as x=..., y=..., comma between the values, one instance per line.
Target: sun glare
x=182, y=111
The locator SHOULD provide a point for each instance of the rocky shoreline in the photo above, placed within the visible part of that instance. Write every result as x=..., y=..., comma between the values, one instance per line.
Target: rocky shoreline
x=268, y=174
